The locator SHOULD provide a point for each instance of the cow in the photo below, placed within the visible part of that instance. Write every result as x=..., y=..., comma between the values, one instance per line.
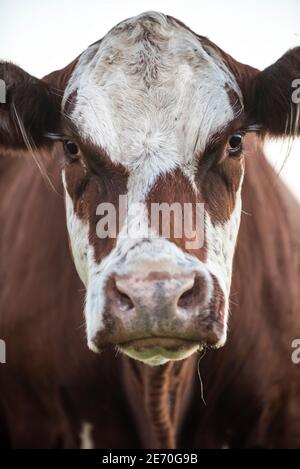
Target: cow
x=187, y=345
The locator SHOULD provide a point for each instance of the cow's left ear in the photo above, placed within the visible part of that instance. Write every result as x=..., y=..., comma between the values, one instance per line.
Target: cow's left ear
x=273, y=100
x=29, y=109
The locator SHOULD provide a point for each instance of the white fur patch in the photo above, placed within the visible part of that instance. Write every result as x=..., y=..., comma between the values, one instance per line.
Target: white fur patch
x=150, y=94
x=78, y=235
x=221, y=241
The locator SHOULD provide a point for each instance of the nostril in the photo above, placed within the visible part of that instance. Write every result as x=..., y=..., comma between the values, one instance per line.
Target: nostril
x=123, y=301
x=189, y=297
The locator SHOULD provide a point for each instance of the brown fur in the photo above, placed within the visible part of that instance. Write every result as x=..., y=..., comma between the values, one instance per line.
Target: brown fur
x=52, y=382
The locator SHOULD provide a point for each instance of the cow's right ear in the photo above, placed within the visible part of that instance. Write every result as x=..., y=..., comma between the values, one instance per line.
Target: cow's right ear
x=272, y=98
x=28, y=109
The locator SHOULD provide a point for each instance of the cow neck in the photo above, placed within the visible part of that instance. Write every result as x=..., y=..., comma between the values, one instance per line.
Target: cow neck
x=159, y=397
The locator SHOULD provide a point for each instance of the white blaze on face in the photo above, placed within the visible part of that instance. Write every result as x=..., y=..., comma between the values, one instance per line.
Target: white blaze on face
x=154, y=101
x=150, y=95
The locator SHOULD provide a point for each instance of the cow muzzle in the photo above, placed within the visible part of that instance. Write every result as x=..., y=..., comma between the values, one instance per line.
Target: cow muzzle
x=156, y=316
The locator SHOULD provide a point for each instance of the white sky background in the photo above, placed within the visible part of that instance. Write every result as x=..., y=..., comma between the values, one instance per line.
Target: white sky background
x=45, y=35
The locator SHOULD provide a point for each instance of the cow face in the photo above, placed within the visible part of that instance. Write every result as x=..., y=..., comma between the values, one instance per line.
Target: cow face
x=154, y=114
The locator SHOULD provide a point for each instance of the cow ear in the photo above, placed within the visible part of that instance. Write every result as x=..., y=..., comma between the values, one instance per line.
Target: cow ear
x=274, y=98
x=28, y=109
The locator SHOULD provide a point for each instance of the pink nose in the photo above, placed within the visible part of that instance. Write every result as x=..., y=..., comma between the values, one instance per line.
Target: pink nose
x=160, y=304
x=156, y=291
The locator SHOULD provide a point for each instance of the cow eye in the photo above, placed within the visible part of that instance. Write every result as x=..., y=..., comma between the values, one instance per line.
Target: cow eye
x=235, y=144
x=71, y=148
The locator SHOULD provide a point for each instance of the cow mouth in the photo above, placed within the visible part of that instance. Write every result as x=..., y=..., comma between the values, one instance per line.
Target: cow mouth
x=159, y=350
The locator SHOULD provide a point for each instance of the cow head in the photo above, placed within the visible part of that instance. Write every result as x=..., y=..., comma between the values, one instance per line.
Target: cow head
x=152, y=114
